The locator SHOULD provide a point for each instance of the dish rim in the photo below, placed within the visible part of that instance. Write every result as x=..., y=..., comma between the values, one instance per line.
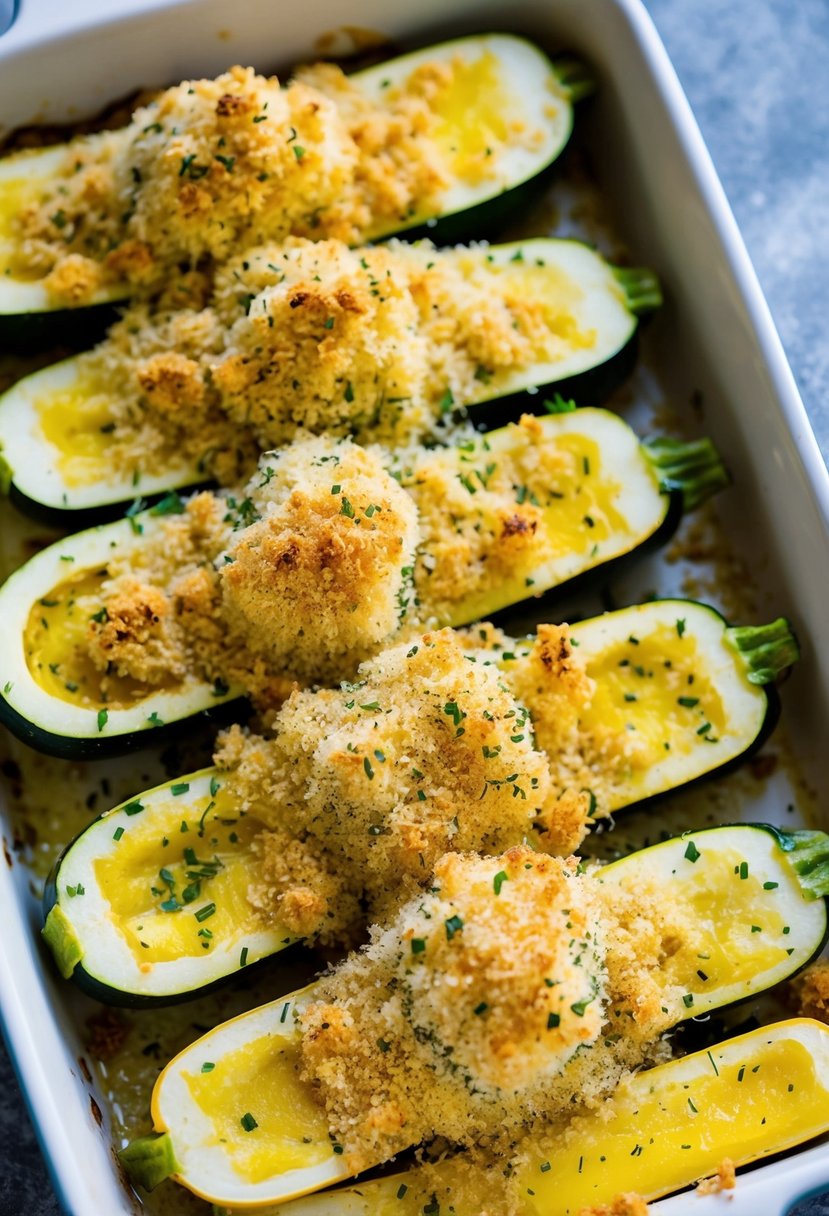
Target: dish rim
x=784, y=1181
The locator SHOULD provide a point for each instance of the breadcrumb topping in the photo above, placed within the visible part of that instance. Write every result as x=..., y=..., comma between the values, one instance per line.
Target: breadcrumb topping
x=382, y=343
x=330, y=552
x=487, y=1003
x=209, y=165
x=423, y=753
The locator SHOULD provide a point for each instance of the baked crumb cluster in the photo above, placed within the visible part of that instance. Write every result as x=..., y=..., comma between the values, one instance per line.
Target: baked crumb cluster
x=330, y=552
x=433, y=747
x=210, y=165
x=381, y=343
x=489, y=1001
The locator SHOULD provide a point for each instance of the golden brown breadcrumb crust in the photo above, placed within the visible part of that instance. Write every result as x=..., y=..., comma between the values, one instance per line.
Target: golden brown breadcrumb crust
x=479, y=1008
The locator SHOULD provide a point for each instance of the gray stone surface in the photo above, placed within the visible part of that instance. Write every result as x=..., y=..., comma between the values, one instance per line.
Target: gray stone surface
x=757, y=75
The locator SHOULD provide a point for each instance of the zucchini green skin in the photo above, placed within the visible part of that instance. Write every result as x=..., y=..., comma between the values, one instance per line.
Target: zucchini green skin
x=74, y=520
x=83, y=326
x=598, y=575
x=766, y=729
x=590, y=387
x=102, y=747
x=76, y=924
x=78, y=328
x=83, y=734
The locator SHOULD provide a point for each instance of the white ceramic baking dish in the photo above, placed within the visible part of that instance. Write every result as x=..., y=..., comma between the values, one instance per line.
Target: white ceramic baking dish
x=714, y=340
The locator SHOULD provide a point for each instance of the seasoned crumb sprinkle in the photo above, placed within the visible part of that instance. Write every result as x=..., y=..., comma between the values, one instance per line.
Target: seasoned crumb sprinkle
x=381, y=343
x=209, y=165
x=479, y=1009
x=424, y=752
x=330, y=552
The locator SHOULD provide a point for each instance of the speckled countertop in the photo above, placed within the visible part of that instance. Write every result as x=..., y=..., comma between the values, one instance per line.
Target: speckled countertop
x=756, y=75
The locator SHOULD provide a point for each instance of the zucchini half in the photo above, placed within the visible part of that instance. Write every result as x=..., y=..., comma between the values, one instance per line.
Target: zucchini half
x=505, y=79
x=246, y=1131
x=760, y=1093
x=42, y=698
x=150, y=901
x=622, y=496
x=56, y=439
x=116, y=863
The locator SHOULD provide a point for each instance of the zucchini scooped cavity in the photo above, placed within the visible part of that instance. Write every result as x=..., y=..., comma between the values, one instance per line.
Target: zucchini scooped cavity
x=663, y=1130
x=466, y=1011
x=344, y=810
x=331, y=552
x=380, y=343
x=359, y=158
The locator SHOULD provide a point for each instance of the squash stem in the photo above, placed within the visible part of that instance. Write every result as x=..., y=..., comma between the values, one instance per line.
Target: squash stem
x=149, y=1160
x=693, y=468
x=641, y=288
x=575, y=78
x=767, y=650
x=808, y=855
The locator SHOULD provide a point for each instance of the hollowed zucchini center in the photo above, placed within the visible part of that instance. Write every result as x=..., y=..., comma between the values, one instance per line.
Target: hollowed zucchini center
x=657, y=690
x=56, y=654
x=258, y=1083
x=76, y=422
x=177, y=882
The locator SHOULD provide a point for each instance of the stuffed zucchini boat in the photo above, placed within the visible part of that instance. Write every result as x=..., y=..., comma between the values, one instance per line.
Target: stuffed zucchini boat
x=750, y=1097
x=668, y=675
x=157, y=407
x=452, y=137
x=247, y=1115
x=105, y=629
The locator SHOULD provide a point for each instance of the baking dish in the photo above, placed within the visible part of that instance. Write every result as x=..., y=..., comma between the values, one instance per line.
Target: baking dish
x=715, y=342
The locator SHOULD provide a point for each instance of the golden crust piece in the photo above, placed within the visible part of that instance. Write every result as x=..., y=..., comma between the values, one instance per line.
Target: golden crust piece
x=811, y=991
x=138, y=636
x=318, y=582
x=725, y=1179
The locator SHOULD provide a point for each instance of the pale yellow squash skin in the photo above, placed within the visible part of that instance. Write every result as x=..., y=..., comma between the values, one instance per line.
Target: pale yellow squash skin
x=755, y=1095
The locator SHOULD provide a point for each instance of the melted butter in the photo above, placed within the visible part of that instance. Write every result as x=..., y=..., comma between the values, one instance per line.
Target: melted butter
x=157, y=914
x=54, y=641
x=261, y=1079
x=660, y=686
x=73, y=422
x=655, y=1143
x=578, y=515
